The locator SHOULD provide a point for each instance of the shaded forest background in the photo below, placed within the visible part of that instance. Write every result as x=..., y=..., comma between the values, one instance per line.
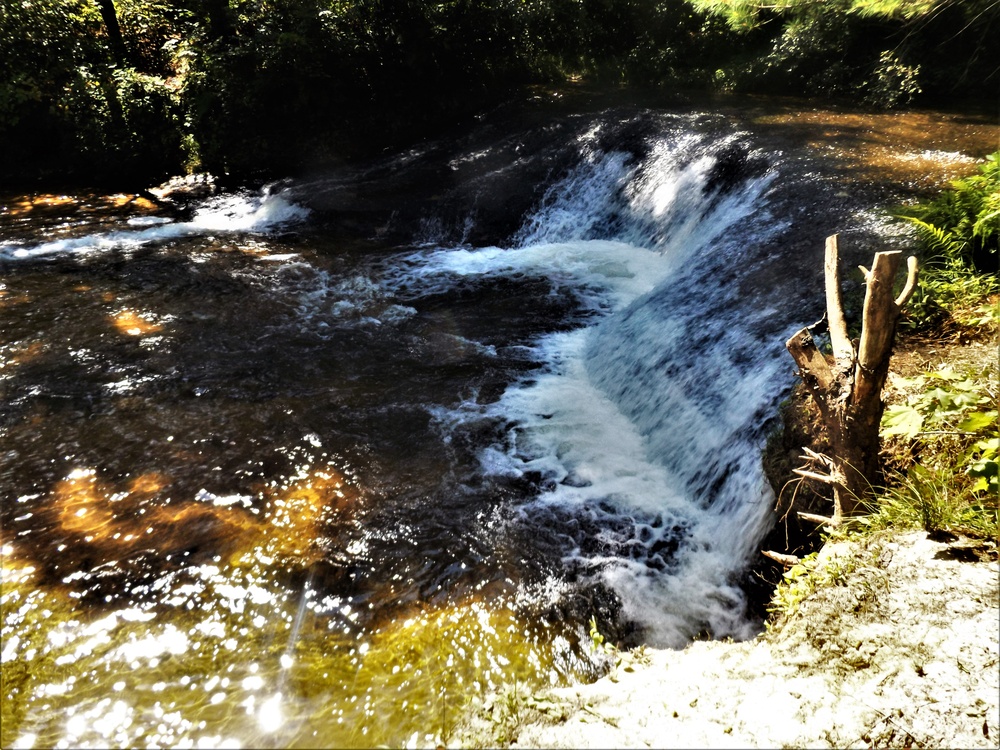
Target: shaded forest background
x=128, y=92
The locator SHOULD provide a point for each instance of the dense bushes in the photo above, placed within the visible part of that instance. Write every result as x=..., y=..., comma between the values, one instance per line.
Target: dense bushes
x=960, y=247
x=882, y=52
x=245, y=85
x=66, y=102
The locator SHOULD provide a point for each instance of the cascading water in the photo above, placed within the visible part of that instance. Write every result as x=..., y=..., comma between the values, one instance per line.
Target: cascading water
x=316, y=465
x=644, y=427
x=243, y=212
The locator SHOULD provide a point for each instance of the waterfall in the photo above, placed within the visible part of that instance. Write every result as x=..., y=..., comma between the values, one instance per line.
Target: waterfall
x=644, y=426
x=639, y=423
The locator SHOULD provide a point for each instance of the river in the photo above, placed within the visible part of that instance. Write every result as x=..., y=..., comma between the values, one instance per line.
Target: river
x=318, y=463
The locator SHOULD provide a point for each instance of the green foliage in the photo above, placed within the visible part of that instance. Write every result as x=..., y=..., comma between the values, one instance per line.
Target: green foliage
x=947, y=402
x=796, y=584
x=619, y=660
x=69, y=107
x=245, y=86
x=883, y=52
x=893, y=82
x=934, y=499
x=959, y=233
x=965, y=219
x=802, y=579
x=951, y=422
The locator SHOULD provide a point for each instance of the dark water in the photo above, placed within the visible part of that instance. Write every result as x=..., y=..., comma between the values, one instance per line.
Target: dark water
x=318, y=464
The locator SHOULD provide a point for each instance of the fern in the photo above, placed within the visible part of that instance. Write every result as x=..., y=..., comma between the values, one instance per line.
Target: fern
x=939, y=241
x=961, y=223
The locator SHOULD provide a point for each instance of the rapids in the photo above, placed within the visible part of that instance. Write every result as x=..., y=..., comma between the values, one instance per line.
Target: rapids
x=322, y=462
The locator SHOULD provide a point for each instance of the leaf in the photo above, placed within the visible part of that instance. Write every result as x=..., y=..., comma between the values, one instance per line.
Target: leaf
x=978, y=420
x=988, y=448
x=902, y=420
x=984, y=468
x=796, y=571
x=946, y=374
x=987, y=473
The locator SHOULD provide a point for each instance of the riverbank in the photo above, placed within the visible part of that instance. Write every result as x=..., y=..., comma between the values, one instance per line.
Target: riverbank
x=891, y=641
x=899, y=650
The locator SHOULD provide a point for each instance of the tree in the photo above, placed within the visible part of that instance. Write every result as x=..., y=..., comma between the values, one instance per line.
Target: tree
x=847, y=387
x=114, y=32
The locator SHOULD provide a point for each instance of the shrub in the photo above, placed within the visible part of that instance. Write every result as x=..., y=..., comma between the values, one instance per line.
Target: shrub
x=959, y=232
x=949, y=427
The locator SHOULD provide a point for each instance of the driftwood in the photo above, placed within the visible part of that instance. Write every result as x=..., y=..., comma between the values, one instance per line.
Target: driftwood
x=786, y=560
x=847, y=386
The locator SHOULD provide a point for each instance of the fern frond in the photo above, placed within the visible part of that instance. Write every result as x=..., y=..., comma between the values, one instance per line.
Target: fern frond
x=938, y=240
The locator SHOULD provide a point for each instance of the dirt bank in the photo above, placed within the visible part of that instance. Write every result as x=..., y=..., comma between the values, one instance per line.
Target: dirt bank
x=899, y=649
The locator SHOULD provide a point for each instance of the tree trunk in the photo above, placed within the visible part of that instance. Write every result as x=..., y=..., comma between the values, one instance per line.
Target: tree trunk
x=110, y=18
x=219, y=21
x=847, y=387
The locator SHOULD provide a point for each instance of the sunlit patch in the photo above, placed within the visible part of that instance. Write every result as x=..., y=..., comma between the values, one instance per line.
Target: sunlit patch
x=132, y=323
x=270, y=717
x=25, y=742
x=229, y=655
x=936, y=157
x=113, y=522
x=9, y=297
x=85, y=204
x=148, y=485
x=296, y=511
x=109, y=521
x=26, y=205
x=13, y=571
x=21, y=354
x=81, y=504
x=144, y=204
x=870, y=142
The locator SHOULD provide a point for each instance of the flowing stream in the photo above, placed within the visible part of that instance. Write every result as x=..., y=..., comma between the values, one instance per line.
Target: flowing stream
x=320, y=463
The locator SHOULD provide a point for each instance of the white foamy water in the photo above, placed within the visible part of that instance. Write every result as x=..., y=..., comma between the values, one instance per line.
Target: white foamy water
x=232, y=213
x=650, y=418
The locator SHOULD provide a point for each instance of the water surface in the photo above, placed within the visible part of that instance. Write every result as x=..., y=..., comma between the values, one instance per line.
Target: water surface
x=319, y=463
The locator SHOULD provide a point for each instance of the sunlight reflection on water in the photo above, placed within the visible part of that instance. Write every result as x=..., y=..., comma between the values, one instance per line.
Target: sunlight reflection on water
x=201, y=649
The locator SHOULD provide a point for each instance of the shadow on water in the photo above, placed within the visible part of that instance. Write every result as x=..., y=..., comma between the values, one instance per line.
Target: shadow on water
x=282, y=479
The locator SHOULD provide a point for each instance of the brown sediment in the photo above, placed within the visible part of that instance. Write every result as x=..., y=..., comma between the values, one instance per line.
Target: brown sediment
x=296, y=514
x=132, y=323
x=917, y=149
x=42, y=202
x=107, y=523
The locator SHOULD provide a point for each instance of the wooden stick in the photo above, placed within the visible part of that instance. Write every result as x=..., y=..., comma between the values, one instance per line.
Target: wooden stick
x=813, y=455
x=813, y=475
x=843, y=350
x=786, y=560
x=879, y=315
x=810, y=360
x=819, y=519
x=912, y=272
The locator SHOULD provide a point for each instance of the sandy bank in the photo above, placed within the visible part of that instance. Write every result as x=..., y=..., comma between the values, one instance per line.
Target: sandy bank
x=899, y=649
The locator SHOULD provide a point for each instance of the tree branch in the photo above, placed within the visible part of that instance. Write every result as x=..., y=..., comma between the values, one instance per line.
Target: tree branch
x=843, y=350
x=912, y=272
x=879, y=315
